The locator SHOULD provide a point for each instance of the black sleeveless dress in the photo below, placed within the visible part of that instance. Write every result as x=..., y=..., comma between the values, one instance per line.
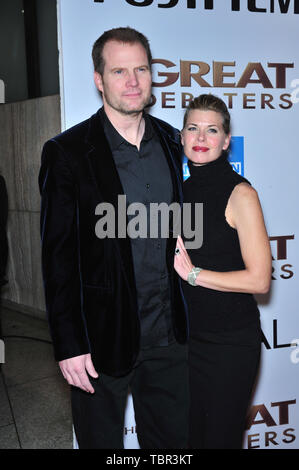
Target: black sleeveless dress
x=225, y=335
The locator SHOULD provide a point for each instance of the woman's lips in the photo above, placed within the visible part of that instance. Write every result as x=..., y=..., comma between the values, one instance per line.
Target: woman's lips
x=197, y=148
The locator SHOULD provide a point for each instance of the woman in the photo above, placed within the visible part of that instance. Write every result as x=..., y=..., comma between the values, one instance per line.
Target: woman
x=233, y=263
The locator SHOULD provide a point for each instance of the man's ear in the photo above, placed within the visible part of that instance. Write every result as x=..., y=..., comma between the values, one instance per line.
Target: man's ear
x=98, y=81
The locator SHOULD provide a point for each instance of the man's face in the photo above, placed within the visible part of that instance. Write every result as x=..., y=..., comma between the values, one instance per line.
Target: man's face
x=126, y=81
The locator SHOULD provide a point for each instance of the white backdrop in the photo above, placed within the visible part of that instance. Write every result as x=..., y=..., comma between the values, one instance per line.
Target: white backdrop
x=247, y=53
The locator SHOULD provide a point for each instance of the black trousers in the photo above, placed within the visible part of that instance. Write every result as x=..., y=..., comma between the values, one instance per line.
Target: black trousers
x=159, y=386
x=222, y=377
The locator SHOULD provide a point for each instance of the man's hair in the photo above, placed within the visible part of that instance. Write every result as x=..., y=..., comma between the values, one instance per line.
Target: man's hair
x=126, y=35
x=210, y=103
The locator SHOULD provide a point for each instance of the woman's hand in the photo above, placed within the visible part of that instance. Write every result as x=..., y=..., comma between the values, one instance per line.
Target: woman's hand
x=182, y=261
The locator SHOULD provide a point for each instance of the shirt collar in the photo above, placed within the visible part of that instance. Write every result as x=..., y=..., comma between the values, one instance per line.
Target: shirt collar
x=115, y=139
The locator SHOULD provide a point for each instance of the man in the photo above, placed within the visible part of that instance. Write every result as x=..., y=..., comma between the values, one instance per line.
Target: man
x=115, y=308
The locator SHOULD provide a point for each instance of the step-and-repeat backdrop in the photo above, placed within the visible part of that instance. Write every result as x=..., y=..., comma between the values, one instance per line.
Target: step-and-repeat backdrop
x=246, y=52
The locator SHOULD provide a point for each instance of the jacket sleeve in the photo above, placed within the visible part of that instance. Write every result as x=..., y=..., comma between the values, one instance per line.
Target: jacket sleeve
x=61, y=253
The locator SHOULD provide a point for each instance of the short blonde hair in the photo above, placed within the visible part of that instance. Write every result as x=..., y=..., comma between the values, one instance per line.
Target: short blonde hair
x=210, y=103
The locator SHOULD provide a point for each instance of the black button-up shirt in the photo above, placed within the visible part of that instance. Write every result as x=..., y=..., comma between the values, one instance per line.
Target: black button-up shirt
x=146, y=179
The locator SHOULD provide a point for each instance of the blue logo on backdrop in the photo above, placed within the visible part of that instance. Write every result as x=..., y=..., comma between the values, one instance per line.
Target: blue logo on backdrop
x=236, y=157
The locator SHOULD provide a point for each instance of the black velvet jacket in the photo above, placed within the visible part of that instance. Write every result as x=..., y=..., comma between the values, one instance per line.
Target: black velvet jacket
x=89, y=282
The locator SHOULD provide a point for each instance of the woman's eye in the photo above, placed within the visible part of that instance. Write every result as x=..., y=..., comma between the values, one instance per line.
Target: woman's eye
x=213, y=131
x=191, y=128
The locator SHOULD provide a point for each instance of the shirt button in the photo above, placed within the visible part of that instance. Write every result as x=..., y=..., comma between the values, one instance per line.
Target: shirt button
x=147, y=185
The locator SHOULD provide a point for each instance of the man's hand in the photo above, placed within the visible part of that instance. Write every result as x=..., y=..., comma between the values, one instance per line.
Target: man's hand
x=74, y=371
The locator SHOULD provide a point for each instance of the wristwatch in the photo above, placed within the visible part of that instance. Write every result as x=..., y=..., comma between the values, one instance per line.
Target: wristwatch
x=191, y=278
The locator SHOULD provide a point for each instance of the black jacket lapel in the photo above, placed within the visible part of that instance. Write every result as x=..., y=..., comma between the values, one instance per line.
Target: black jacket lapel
x=102, y=162
x=109, y=186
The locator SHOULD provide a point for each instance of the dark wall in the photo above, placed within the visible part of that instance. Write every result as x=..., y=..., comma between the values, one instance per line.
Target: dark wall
x=28, y=49
x=13, y=69
x=48, y=49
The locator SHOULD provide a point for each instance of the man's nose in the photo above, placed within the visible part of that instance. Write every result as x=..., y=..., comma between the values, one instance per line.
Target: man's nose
x=132, y=79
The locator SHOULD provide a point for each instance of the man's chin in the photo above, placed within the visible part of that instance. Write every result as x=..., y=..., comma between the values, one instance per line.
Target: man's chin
x=129, y=109
x=137, y=109
x=132, y=112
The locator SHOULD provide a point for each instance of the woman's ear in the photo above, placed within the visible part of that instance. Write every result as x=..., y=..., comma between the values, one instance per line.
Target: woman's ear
x=182, y=138
x=226, y=142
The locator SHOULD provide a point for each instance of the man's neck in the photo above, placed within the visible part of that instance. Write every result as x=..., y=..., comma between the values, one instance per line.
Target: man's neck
x=129, y=126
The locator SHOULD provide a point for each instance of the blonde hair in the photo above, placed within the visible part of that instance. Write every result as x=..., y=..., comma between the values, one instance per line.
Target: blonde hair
x=210, y=103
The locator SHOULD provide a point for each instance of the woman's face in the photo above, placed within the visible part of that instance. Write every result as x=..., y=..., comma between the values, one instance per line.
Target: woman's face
x=203, y=136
